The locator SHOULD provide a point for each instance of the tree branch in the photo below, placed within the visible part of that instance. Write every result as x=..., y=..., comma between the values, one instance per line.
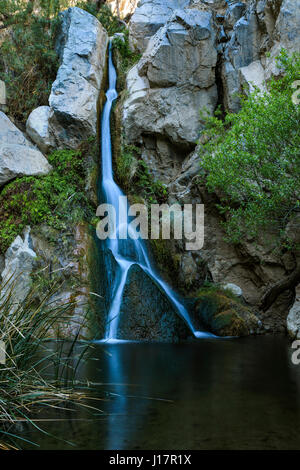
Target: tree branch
x=288, y=283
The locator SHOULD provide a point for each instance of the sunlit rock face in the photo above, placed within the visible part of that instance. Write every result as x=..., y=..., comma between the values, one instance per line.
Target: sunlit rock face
x=72, y=113
x=148, y=17
x=172, y=82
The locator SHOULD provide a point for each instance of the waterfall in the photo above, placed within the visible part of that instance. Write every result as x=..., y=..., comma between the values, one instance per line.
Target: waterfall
x=126, y=252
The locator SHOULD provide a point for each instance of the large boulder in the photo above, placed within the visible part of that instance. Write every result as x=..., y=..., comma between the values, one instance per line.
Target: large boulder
x=37, y=127
x=72, y=117
x=173, y=81
x=146, y=313
x=18, y=157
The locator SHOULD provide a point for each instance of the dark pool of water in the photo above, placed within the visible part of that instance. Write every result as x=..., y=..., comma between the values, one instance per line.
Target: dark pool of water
x=212, y=394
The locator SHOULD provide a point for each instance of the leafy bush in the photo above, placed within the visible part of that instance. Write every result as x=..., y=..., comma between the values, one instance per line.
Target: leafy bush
x=252, y=159
x=28, y=62
x=57, y=199
x=127, y=57
x=104, y=15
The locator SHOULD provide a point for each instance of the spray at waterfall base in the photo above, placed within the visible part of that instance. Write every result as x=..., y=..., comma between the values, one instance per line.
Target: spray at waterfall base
x=138, y=221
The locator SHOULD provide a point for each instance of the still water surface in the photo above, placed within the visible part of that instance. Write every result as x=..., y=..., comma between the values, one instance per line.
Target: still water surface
x=209, y=394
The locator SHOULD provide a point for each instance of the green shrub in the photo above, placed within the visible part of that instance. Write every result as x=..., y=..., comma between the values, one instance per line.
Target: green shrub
x=127, y=58
x=57, y=199
x=252, y=159
x=28, y=62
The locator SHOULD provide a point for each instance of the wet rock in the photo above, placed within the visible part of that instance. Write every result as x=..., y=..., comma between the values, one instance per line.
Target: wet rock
x=146, y=313
x=224, y=316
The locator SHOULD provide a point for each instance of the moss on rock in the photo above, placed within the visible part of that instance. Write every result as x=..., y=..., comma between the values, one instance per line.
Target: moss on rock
x=223, y=314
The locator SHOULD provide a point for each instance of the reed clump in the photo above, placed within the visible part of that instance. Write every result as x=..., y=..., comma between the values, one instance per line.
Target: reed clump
x=25, y=384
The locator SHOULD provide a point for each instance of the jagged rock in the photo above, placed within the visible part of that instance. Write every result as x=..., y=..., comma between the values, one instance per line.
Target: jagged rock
x=286, y=34
x=146, y=313
x=173, y=81
x=72, y=118
x=293, y=319
x=234, y=12
x=37, y=127
x=149, y=16
x=19, y=263
x=242, y=49
x=18, y=157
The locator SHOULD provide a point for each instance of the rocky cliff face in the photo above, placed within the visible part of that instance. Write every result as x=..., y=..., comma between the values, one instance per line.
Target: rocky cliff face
x=197, y=54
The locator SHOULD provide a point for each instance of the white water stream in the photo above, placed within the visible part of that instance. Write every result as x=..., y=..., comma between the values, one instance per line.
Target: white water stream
x=126, y=252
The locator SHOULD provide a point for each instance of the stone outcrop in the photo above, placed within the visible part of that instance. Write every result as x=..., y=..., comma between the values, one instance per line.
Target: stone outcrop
x=72, y=113
x=172, y=82
x=148, y=18
x=20, y=260
x=18, y=156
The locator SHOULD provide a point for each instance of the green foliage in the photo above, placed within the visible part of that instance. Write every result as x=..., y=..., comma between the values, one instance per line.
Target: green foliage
x=104, y=15
x=252, y=159
x=28, y=62
x=57, y=199
x=135, y=178
x=127, y=57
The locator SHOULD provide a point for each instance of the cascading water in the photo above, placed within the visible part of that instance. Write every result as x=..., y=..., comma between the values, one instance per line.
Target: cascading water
x=126, y=252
